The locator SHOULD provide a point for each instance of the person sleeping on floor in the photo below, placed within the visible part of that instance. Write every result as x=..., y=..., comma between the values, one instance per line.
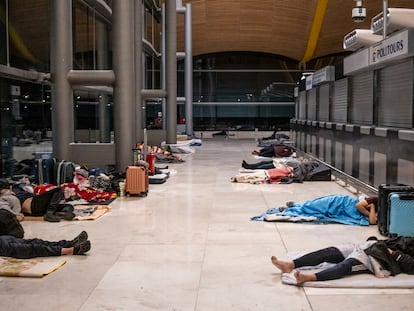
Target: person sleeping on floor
x=336, y=208
x=383, y=258
x=11, y=246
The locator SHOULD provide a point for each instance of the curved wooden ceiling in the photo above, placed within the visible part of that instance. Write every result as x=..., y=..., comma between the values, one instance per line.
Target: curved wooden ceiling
x=281, y=27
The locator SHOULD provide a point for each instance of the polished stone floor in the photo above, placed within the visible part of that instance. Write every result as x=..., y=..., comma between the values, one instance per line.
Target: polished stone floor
x=189, y=245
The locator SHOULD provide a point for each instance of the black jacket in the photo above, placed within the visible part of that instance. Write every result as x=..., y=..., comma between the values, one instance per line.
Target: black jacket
x=9, y=225
x=402, y=259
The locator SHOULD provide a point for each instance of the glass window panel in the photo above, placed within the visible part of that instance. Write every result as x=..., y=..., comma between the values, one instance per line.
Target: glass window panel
x=29, y=37
x=91, y=39
x=93, y=117
x=25, y=128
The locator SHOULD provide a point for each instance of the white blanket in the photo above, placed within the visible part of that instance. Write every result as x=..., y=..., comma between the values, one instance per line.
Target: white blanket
x=365, y=280
x=357, y=281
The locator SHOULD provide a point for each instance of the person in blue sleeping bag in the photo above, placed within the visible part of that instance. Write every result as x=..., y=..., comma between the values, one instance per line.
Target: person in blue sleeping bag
x=336, y=208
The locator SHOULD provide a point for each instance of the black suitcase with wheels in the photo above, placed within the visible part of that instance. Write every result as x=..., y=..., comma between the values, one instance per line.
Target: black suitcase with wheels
x=44, y=171
x=384, y=191
x=64, y=172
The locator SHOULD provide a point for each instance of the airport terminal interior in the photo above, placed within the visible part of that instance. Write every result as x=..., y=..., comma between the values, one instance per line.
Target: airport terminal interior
x=194, y=91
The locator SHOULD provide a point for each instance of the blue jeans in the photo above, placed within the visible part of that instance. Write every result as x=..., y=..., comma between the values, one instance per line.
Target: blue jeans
x=343, y=266
x=11, y=246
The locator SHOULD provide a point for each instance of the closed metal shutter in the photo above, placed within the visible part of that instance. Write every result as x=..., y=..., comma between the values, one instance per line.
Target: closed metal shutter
x=311, y=100
x=324, y=102
x=362, y=104
x=340, y=101
x=395, y=106
x=302, y=105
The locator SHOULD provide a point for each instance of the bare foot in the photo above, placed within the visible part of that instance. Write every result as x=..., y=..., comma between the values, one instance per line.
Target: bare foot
x=304, y=277
x=284, y=266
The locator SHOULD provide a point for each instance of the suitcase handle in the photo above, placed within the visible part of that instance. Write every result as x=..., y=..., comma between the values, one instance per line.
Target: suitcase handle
x=406, y=196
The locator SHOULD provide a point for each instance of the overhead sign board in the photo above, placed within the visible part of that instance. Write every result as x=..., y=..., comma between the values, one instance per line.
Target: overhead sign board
x=391, y=48
x=325, y=74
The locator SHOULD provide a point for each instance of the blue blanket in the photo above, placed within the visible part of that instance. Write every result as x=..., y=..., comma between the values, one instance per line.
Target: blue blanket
x=335, y=208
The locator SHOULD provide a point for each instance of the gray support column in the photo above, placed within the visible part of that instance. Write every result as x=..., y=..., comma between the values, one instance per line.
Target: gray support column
x=124, y=94
x=102, y=55
x=188, y=71
x=171, y=62
x=138, y=69
x=163, y=63
x=61, y=64
x=104, y=120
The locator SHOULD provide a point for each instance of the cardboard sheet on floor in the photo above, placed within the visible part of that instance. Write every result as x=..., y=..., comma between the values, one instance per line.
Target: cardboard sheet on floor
x=91, y=212
x=96, y=211
x=33, y=268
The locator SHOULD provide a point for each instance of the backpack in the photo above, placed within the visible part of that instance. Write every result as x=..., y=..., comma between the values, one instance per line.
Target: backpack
x=9, y=225
x=315, y=171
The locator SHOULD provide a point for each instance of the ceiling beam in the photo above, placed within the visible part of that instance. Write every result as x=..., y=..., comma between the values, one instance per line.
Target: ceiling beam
x=315, y=30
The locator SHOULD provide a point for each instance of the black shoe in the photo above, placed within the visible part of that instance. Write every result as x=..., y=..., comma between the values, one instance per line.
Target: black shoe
x=69, y=216
x=65, y=215
x=82, y=237
x=51, y=217
x=245, y=165
x=65, y=211
x=82, y=248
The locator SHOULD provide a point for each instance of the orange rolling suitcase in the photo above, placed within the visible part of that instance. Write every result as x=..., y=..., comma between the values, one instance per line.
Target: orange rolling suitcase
x=136, y=180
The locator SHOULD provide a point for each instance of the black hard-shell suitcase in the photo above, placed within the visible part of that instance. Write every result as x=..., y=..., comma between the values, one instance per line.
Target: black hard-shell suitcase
x=44, y=171
x=384, y=191
x=64, y=172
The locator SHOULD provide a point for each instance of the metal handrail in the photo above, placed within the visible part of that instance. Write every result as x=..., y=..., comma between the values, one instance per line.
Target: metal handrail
x=359, y=185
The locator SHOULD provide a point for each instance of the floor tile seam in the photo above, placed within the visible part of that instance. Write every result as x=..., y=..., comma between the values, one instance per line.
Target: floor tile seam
x=363, y=291
x=201, y=269
x=166, y=244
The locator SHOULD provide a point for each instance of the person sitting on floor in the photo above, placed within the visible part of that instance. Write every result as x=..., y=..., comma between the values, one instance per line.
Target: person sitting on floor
x=381, y=258
x=11, y=246
x=45, y=204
